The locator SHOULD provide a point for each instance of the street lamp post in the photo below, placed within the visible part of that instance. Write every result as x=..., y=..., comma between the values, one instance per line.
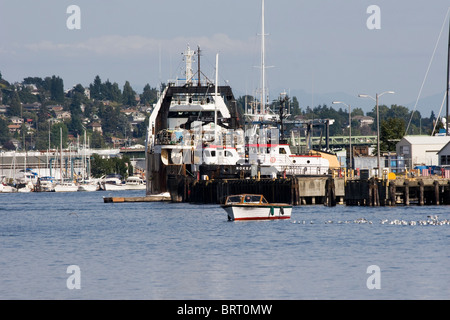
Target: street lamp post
x=378, y=124
x=350, y=131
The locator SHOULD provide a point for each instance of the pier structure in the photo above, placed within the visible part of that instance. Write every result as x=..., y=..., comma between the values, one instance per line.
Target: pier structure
x=330, y=190
x=400, y=191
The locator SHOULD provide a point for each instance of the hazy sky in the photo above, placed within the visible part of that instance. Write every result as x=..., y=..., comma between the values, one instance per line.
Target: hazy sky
x=321, y=46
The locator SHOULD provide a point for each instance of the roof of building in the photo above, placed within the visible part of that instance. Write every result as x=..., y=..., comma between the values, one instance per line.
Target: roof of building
x=427, y=140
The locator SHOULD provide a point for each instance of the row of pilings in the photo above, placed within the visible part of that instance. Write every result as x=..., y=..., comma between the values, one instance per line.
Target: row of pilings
x=377, y=192
x=216, y=191
x=325, y=190
x=293, y=190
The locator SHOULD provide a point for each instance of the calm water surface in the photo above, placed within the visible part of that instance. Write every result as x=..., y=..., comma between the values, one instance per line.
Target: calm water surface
x=183, y=251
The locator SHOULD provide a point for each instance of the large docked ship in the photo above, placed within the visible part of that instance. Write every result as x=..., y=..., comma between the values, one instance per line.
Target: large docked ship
x=194, y=122
x=197, y=131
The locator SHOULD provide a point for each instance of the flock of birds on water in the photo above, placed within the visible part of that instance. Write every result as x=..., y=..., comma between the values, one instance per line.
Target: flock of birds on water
x=431, y=221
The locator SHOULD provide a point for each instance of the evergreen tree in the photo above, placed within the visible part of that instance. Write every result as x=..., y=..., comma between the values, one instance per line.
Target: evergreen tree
x=55, y=135
x=116, y=94
x=149, y=95
x=295, y=107
x=106, y=90
x=4, y=131
x=57, y=89
x=391, y=131
x=128, y=95
x=15, y=107
x=97, y=140
x=96, y=89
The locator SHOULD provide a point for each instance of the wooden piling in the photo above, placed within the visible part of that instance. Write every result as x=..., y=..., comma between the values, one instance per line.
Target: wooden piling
x=436, y=192
x=421, y=193
x=392, y=193
x=406, y=193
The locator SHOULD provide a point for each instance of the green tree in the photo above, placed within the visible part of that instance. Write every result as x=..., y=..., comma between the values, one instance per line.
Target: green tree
x=101, y=167
x=97, y=140
x=41, y=140
x=55, y=135
x=149, y=95
x=26, y=96
x=128, y=95
x=295, y=107
x=57, y=89
x=391, y=132
x=116, y=94
x=96, y=89
x=4, y=131
x=15, y=107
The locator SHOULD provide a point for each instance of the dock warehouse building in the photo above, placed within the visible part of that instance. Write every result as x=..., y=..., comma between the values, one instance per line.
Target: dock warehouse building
x=421, y=150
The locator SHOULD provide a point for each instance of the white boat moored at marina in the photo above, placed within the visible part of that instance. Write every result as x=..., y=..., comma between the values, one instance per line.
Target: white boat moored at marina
x=255, y=207
x=135, y=183
x=112, y=182
x=66, y=187
x=88, y=186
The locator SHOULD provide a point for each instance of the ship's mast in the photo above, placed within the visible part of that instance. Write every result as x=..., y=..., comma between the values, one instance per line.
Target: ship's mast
x=216, y=98
x=198, y=60
x=263, y=64
x=188, y=56
x=448, y=81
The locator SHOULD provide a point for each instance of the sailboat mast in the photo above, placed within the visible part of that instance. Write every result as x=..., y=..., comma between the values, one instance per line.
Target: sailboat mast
x=216, y=98
x=263, y=63
x=448, y=79
x=60, y=154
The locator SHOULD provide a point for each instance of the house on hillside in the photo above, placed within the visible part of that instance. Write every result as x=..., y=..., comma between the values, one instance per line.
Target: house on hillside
x=363, y=120
x=14, y=128
x=96, y=127
x=421, y=150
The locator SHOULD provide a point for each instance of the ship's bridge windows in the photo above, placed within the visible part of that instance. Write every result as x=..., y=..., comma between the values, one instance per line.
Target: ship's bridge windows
x=282, y=151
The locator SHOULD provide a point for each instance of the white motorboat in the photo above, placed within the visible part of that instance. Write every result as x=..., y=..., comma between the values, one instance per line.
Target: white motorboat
x=113, y=182
x=5, y=188
x=46, y=184
x=25, y=187
x=135, y=183
x=66, y=187
x=255, y=207
x=88, y=186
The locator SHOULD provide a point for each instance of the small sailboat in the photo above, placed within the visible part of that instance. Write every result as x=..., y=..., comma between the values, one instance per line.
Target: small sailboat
x=64, y=185
x=255, y=207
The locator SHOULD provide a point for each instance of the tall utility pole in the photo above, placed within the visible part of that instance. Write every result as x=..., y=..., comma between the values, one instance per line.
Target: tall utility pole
x=350, y=163
x=378, y=126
